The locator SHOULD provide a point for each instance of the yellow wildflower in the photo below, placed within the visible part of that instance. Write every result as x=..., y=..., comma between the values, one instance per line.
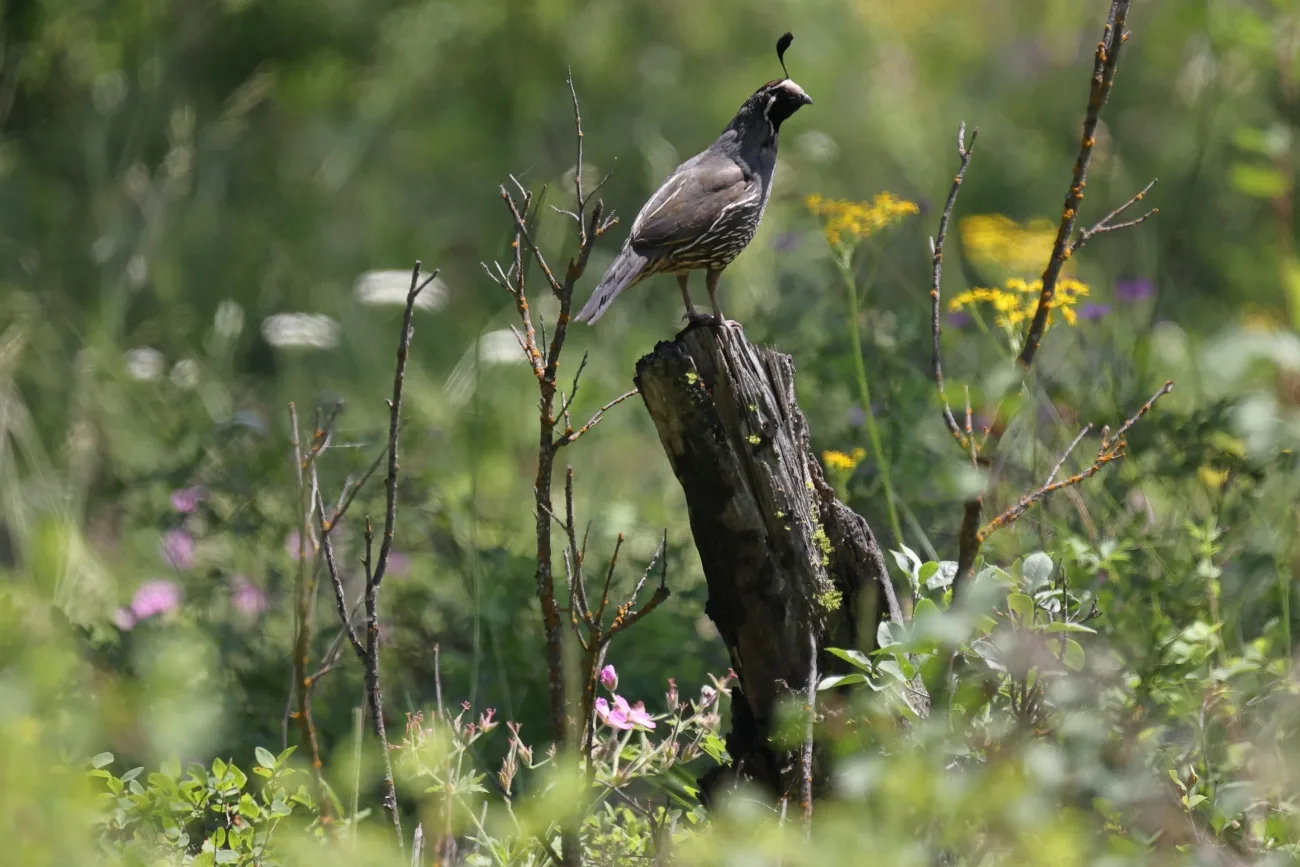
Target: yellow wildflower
x=850, y=222
x=1018, y=300
x=841, y=462
x=1211, y=477
x=998, y=240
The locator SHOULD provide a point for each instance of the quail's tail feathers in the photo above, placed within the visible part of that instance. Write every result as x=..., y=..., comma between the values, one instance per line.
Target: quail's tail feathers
x=627, y=269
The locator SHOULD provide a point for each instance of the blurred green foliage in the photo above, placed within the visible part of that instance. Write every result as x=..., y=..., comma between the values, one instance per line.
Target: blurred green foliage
x=201, y=204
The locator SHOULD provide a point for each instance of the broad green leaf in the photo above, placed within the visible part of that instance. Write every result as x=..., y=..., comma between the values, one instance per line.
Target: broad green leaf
x=841, y=680
x=264, y=757
x=1074, y=656
x=1037, y=570
x=926, y=572
x=1022, y=606
x=856, y=658
x=925, y=608
x=943, y=576
x=102, y=760
x=1065, y=626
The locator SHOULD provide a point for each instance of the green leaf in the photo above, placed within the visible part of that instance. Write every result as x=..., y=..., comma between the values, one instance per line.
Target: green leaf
x=927, y=572
x=856, y=658
x=284, y=754
x=226, y=856
x=1193, y=801
x=943, y=576
x=264, y=757
x=894, y=669
x=1022, y=606
x=1262, y=182
x=248, y=808
x=1065, y=626
x=908, y=563
x=218, y=769
x=102, y=760
x=132, y=774
x=841, y=680
x=925, y=608
x=1074, y=656
x=238, y=778
x=1037, y=570
x=884, y=637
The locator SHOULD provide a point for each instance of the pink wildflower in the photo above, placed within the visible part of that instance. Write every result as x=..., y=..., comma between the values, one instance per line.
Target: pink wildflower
x=155, y=597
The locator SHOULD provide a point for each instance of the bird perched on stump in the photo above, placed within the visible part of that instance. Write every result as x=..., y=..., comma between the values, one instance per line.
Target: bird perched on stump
x=708, y=209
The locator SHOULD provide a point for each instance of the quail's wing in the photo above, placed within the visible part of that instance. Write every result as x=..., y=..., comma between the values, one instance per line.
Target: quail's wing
x=690, y=201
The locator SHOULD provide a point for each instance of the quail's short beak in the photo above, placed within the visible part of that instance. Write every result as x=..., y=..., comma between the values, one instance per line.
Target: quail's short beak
x=807, y=100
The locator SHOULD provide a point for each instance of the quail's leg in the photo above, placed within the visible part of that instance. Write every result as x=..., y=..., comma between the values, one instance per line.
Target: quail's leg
x=711, y=281
x=692, y=315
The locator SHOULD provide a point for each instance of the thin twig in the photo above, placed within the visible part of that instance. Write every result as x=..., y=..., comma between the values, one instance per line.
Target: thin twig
x=964, y=152
x=340, y=602
x=1051, y=477
x=304, y=591
x=351, y=494
x=1112, y=448
x=570, y=435
x=1103, y=78
x=1105, y=224
x=375, y=570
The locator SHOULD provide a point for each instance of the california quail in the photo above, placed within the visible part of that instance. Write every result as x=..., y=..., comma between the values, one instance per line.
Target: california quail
x=707, y=210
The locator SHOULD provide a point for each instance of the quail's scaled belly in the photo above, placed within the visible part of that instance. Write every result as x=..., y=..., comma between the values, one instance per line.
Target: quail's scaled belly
x=726, y=238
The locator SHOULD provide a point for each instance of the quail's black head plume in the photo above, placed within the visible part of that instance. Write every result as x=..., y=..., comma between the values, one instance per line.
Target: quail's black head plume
x=708, y=209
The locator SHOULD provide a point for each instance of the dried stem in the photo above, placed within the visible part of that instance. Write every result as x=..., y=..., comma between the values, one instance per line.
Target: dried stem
x=964, y=152
x=304, y=620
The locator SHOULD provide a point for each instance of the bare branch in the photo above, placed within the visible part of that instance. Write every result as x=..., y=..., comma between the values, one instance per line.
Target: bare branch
x=1103, y=78
x=340, y=602
x=1112, y=448
x=964, y=152
x=1051, y=477
x=569, y=436
x=1105, y=224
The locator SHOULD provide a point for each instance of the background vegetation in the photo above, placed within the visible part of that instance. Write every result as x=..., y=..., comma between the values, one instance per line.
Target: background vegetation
x=209, y=209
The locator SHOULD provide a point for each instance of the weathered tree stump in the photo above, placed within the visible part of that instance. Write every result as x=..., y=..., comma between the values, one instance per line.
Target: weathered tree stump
x=789, y=567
